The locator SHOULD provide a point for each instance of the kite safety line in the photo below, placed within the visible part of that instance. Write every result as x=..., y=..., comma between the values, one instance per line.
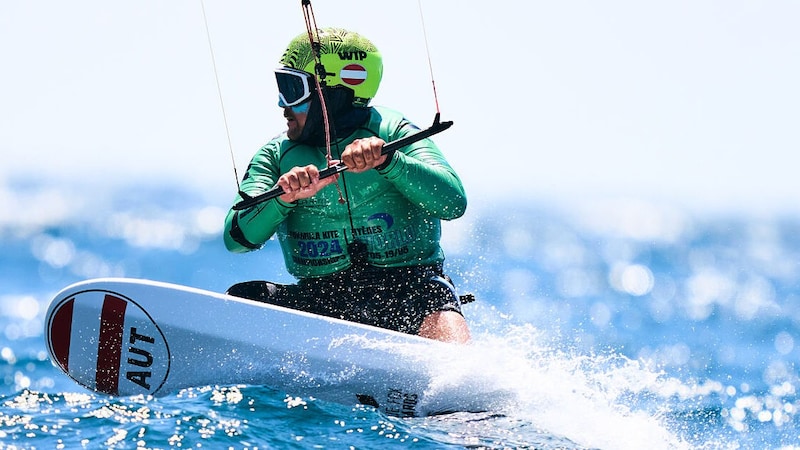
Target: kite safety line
x=319, y=69
x=219, y=93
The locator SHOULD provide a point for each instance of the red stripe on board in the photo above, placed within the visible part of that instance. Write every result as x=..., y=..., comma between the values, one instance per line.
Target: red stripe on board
x=61, y=334
x=109, y=349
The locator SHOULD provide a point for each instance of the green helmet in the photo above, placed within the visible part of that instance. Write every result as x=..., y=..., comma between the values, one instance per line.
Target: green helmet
x=349, y=59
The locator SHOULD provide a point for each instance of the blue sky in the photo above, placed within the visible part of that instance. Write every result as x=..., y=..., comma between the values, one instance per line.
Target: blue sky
x=692, y=102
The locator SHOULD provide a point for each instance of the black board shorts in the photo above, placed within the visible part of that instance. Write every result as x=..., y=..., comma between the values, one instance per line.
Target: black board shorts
x=396, y=298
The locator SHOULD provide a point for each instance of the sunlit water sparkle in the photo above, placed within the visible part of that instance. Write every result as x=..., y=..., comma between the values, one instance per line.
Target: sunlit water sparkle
x=618, y=325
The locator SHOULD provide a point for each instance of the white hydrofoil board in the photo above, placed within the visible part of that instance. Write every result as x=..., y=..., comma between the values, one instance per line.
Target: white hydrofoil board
x=129, y=337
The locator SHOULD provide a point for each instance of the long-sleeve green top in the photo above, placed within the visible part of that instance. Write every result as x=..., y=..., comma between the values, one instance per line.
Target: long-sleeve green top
x=395, y=211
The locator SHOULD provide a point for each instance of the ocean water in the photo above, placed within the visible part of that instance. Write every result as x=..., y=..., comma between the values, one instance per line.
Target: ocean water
x=613, y=325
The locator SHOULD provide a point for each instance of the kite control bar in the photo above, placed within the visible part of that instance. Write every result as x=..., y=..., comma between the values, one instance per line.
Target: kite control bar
x=437, y=127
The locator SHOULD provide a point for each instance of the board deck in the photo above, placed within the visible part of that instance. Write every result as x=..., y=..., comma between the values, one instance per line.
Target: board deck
x=122, y=337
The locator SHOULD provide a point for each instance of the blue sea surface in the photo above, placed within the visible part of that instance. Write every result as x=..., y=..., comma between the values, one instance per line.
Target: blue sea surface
x=618, y=324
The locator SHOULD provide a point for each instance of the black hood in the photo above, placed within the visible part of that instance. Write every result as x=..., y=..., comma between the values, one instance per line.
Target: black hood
x=344, y=118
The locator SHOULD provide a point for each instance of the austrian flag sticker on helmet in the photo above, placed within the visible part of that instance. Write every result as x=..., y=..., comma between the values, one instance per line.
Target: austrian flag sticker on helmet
x=353, y=74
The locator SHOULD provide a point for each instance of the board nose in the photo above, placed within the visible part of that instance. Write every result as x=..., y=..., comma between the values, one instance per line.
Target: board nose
x=107, y=343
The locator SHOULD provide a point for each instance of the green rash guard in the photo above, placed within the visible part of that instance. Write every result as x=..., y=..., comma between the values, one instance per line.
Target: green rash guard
x=396, y=211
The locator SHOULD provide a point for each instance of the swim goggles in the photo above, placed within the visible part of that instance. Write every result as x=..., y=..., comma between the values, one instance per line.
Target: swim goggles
x=294, y=86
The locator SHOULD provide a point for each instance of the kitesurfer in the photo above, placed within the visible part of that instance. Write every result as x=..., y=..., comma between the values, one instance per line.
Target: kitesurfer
x=364, y=245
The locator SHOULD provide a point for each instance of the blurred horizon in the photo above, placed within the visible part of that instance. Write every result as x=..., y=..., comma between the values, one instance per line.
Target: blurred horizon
x=691, y=104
